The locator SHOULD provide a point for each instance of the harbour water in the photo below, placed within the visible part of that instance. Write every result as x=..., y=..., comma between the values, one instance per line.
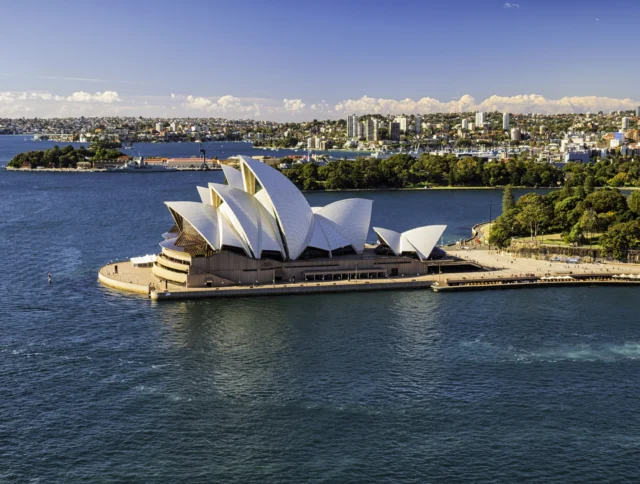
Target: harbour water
x=11, y=145
x=406, y=386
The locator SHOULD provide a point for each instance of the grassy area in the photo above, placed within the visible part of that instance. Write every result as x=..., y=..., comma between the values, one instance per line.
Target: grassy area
x=557, y=239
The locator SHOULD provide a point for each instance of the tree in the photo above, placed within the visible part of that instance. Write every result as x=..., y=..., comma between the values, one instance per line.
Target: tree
x=633, y=201
x=589, y=222
x=534, y=213
x=508, y=200
x=620, y=238
x=588, y=184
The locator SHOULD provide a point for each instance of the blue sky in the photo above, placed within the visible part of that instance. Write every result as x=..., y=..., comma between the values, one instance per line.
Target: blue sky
x=244, y=59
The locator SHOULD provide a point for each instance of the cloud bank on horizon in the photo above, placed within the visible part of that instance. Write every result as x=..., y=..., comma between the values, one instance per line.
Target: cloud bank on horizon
x=110, y=103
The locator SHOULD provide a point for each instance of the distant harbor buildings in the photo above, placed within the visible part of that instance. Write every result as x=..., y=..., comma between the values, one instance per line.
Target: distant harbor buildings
x=352, y=126
x=394, y=131
x=372, y=129
x=505, y=122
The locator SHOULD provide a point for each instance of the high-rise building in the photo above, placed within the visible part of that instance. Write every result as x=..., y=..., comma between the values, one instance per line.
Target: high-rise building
x=638, y=111
x=465, y=124
x=418, y=124
x=479, y=119
x=515, y=134
x=472, y=126
x=625, y=123
x=352, y=126
x=394, y=131
x=159, y=126
x=313, y=143
x=362, y=130
x=505, y=121
x=372, y=129
x=173, y=126
x=402, y=121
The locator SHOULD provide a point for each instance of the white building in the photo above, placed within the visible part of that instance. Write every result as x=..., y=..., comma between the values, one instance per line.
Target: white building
x=173, y=126
x=472, y=126
x=465, y=124
x=505, y=121
x=362, y=130
x=479, y=119
x=515, y=134
x=372, y=129
x=402, y=121
x=625, y=123
x=159, y=126
x=418, y=124
x=352, y=126
x=313, y=143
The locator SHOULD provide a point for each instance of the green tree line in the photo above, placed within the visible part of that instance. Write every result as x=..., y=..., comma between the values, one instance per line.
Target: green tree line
x=580, y=213
x=404, y=171
x=67, y=157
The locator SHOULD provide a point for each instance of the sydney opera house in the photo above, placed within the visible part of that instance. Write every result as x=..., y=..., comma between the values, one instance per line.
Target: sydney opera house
x=258, y=228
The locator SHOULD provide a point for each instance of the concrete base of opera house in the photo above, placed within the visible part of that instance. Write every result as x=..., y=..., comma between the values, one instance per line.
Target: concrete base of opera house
x=123, y=276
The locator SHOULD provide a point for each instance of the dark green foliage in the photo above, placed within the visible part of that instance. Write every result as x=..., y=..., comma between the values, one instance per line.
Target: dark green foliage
x=402, y=171
x=67, y=157
x=620, y=238
x=508, y=200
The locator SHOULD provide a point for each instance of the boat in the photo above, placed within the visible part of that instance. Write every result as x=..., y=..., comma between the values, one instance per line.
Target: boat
x=138, y=165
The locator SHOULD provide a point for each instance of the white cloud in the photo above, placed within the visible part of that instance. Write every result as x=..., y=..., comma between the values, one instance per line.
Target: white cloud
x=293, y=105
x=511, y=5
x=98, y=97
x=526, y=103
x=110, y=103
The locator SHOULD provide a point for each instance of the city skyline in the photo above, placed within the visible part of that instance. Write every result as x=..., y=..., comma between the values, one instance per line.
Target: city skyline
x=290, y=62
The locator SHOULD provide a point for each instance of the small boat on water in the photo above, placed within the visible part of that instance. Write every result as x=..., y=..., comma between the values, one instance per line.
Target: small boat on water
x=138, y=165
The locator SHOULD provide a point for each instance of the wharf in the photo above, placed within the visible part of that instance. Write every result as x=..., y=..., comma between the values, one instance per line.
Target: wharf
x=601, y=279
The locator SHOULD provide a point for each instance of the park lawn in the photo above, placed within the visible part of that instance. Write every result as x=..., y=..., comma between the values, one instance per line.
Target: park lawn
x=557, y=239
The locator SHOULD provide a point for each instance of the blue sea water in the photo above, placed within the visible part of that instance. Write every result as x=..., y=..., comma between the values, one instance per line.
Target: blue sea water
x=407, y=386
x=11, y=145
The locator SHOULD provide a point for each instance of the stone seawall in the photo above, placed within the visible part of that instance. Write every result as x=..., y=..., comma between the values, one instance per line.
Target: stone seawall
x=291, y=289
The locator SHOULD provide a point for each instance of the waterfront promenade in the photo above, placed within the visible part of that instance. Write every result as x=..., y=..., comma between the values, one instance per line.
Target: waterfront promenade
x=496, y=265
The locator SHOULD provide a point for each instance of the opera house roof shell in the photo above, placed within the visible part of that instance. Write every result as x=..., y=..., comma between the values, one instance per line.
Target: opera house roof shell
x=260, y=211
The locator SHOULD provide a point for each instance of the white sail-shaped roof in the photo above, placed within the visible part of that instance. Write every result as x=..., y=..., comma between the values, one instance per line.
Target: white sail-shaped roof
x=390, y=237
x=420, y=240
x=202, y=217
x=261, y=210
x=205, y=195
x=285, y=201
x=424, y=239
x=249, y=218
x=233, y=176
x=333, y=234
x=318, y=238
x=228, y=235
x=352, y=218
